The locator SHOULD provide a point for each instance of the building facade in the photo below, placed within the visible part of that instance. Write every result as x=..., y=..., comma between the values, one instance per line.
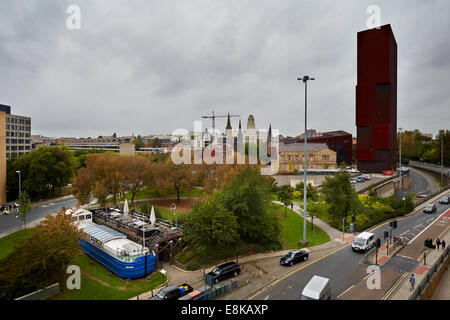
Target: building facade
x=338, y=141
x=17, y=133
x=376, y=100
x=319, y=156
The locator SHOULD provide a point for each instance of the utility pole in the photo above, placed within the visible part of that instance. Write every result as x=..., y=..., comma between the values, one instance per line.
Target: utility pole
x=442, y=158
x=400, y=161
x=305, y=81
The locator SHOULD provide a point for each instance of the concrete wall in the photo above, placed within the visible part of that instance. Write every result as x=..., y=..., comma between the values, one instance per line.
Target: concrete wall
x=126, y=149
x=293, y=179
x=389, y=188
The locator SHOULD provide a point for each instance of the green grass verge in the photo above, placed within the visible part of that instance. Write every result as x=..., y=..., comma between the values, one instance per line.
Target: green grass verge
x=150, y=193
x=8, y=243
x=292, y=230
x=99, y=283
x=291, y=235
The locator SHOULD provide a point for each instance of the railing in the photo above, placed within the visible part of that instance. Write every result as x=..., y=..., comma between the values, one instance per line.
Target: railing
x=42, y=294
x=222, y=289
x=419, y=290
x=422, y=200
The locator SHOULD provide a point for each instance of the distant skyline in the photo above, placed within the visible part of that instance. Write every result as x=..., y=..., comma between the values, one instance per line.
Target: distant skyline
x=150, y=67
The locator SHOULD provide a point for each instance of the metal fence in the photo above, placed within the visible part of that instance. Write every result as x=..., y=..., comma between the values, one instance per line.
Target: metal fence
x=419, y=290
x=216, y=291
x=42, y=294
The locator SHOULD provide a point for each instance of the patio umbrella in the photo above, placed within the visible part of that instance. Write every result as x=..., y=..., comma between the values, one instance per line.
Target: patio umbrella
x=125, y=208
x=152, y=216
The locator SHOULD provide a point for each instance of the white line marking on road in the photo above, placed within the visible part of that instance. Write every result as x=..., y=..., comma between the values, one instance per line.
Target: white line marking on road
x=426, y=228
x=404, y=233
x=347, y=290
x=266, y=298
x=430, y=219
x=419, y=225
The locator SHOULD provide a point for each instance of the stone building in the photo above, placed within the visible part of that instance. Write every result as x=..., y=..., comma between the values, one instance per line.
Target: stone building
x=319, y=156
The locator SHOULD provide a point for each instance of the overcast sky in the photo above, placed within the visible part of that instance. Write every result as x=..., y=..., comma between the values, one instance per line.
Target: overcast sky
x=150, y=67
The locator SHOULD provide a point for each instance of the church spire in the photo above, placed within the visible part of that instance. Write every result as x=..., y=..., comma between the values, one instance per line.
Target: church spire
x=228, y=123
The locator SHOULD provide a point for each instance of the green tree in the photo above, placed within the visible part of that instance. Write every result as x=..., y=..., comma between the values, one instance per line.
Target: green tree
x=311, y=191
x=285, y=194
x=248, y=197
x=340, y=195
x=43, y=259
x=24, y=207
x=211, y=225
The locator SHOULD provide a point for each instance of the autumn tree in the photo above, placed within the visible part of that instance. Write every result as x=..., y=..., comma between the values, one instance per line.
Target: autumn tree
x=42, y=259
x=178, y=177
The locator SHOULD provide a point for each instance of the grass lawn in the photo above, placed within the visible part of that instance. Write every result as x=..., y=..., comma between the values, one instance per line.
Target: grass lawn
x=291, y=235
x=99, y=283
x=292, y=230
x=8, y=243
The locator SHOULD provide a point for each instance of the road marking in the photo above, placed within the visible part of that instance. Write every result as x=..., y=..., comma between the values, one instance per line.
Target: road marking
x=391, y=290
x=287, y=275
x=430, y=219
x=426, y=228
x=266, y=298
x=404, y=233
x=347, y=290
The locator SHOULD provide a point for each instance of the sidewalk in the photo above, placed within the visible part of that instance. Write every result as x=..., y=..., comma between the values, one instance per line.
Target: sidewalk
x=332, y=232
x=403, y=290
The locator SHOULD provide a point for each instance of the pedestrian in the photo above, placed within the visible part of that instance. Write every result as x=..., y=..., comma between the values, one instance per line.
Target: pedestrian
x=412, y=280
x=438, y=243
x=292, y=206
x=443, y=244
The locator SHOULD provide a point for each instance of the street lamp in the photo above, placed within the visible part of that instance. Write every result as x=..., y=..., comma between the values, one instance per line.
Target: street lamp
x=174, y=208
x=400, y=160
x=20, y=189
x=305, y=81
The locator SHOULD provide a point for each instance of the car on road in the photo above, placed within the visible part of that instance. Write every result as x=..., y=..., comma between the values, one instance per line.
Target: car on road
x=293, y=257
x=444, y=200
x=363, y=241
x=224, y=271
x=318, y=288
x=172, y=292
x=430, y=208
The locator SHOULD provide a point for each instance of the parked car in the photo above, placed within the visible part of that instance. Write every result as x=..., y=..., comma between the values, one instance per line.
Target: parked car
x=352, y=182
x=318, y=288
x=363, y=241
x=224, y=271
x=294, y=257
x=430, y=208
x=444, y=200
x=172, y=292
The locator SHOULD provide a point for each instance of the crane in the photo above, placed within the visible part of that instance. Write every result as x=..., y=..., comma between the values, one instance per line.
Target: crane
x=213, y=118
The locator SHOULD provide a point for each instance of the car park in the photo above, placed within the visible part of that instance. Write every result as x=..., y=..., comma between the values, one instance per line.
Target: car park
x=224, y=271
x=363, y=242
x=430, y=208
x=444, y=200
x=293, y=257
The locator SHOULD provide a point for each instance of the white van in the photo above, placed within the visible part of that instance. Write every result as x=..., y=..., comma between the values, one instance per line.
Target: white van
x=318, y=288
x=363, y=241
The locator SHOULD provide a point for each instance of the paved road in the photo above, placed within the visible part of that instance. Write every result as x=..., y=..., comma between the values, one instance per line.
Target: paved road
x=343, y=266
x=424, y=184
x=10, y=221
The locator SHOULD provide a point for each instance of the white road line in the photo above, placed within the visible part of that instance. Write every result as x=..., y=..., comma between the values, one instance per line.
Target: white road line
x=346, y=291
x=419, y=225
x=426, y=227
x=266, y=298
x=430, y=219
x=404, y=233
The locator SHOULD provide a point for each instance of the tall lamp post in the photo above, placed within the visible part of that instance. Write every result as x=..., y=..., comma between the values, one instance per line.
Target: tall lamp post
x=20, y=187
x=400, y=161
x=305, y=81
x=442, y=157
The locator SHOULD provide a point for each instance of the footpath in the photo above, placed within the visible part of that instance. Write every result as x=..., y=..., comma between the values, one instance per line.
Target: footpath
x=258, y=270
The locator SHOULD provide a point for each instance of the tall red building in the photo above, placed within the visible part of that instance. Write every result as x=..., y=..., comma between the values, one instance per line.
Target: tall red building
x=376, y=100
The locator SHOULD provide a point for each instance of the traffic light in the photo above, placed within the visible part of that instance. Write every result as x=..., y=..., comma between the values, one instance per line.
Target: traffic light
x=386, y=234
x=344, y=221
x=353, y=218
x=394, y=224
x=378, y=243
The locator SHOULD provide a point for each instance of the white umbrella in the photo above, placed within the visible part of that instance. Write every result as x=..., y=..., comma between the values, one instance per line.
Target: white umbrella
x=125, y=208
x=152, y=216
